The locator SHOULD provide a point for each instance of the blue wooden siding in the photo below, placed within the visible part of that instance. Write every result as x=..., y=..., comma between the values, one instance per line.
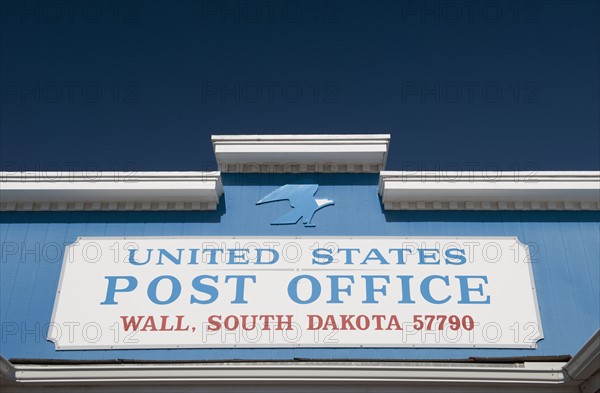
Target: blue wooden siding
x=566, y=268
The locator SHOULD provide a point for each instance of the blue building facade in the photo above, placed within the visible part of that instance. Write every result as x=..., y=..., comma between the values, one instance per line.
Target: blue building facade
x=564, y=246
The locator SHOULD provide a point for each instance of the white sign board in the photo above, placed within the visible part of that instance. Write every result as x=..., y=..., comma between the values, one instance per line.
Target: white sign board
x=202, y=292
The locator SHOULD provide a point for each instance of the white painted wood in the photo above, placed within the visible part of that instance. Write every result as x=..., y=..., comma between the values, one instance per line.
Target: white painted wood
x=39, y=191
x=465, y=374
x=490, y=191
x=329, y=153
x=585, y=365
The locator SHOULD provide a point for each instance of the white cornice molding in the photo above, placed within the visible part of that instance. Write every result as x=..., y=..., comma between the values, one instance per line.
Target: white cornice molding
x=324, y=153
x=540, y=374
x=585, y=365
x=72, y=191
x=490, y=191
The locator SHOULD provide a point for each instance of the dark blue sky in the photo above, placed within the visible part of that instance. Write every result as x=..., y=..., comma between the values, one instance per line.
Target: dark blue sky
x=141, y=85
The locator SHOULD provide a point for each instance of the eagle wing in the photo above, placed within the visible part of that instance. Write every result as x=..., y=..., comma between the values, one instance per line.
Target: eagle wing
x=295, y=193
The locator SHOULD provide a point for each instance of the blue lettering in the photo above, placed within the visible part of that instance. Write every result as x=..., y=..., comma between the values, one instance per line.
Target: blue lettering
x=348, y=252
x=132, y=257
x=455, y=256
x=377, y=257
x=322, y=253
x=239, y=288
x=405, y=290
x=175, y=290
x=211, y=291
x=259, y=253
x=465, y=290
x=293, y=289
x=370, y=288
x=193, y=256
x=162, y=252
x=433, y=256
x=237, y=259
x=335, y=288
x=111, y=288
x=213, y=255
x=426, y=289
x=400, y=252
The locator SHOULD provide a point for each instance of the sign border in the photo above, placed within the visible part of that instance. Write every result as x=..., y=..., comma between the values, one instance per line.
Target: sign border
x=92, y=347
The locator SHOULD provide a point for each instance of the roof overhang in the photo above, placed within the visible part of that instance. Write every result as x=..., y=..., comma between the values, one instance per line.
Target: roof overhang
x=42, y=191
x=490, y=191
x=238, y=376
x=584, y=367
x=580, y=374
x=330, y=153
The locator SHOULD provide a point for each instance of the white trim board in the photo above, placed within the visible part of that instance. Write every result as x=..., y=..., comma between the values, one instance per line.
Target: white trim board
x=377, y=375
x=578, y=375
x=49, y=191
x=490, y=191
x=584, y=367
x=326, y=153
x=528, y=372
